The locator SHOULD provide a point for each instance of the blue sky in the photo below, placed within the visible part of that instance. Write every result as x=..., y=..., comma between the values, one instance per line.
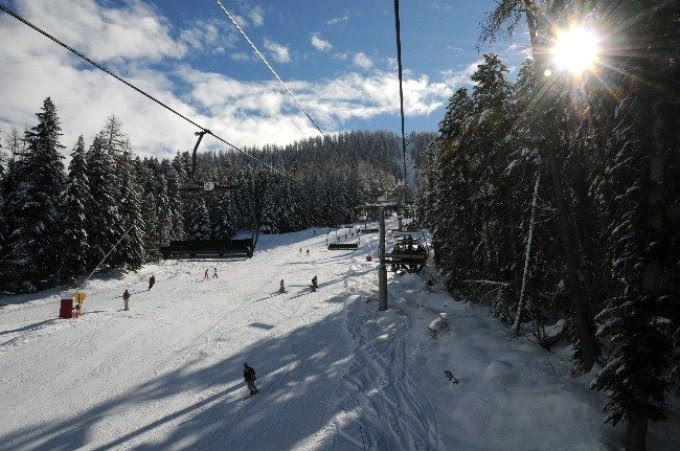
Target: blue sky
x=338, y=57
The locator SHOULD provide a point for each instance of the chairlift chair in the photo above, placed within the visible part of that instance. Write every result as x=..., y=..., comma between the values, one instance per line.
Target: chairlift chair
x=206, y=186
x=407, y=254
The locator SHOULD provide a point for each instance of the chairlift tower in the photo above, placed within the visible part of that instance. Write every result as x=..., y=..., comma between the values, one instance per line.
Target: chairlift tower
x=382, y=268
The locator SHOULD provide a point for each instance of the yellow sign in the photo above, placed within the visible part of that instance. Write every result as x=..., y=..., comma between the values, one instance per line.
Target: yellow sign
x=80, y=298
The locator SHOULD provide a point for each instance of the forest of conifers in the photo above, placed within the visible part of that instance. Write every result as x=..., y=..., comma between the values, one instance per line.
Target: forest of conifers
x=583, y=175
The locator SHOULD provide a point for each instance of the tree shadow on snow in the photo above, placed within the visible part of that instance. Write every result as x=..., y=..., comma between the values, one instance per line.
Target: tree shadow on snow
x=296, y=373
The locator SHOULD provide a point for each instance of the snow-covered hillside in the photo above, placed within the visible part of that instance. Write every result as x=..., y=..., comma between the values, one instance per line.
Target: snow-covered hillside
x=333, y=372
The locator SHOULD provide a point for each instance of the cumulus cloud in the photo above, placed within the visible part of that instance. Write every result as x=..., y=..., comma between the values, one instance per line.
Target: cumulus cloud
x=131, y=32
x=320, y=44
x=362, y=61
x=278, y=51
x=244, y=113
x=334, y=101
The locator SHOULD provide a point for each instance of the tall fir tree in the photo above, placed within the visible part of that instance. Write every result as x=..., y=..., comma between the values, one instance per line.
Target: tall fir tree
x=74, y=203
x=130, y=253
x=105, y=226
x=36, y=226
x=198, y=219
x=226, y=220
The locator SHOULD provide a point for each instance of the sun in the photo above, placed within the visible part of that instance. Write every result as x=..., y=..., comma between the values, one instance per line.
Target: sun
x=575, y=50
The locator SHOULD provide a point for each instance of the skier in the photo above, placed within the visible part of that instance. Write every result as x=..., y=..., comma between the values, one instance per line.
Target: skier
x=282, y=287
x=249, y=376
x=205, y=276
x=315, y=284
x=215, y=274
x=126, y=298
x=300, y=250
x=307, y=251
x=152, y=281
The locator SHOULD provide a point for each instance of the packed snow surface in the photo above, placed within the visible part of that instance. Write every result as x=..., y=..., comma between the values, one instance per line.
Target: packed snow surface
x=333, y=372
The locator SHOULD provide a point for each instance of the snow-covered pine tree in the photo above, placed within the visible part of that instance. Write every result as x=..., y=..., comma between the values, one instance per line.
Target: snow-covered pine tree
x=105, y=225
x=173, y=215
x=152, y=185
x=641, y=189
x=270, y=204
x=34, y=203
x=198, y=219
x=449, y=214
x=226, y=220
x=130, y=253
x=75, y=199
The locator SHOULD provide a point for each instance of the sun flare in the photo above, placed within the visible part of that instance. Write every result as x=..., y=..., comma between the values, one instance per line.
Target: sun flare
x=575, y=50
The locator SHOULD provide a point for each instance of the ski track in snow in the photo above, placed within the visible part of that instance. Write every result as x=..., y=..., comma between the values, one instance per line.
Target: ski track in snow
x=333, y=373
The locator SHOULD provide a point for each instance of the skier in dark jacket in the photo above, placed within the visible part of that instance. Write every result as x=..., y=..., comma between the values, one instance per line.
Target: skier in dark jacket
x=152, y=281
x=126, y=299
x=315, y=283
x=249, y=376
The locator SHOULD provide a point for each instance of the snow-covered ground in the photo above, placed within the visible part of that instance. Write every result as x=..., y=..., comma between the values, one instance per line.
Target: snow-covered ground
x=333, y=372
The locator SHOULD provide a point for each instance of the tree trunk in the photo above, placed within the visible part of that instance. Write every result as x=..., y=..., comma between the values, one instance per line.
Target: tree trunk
x=527, y=254
x=585, y=331
x=636, y=433
x=583, y=320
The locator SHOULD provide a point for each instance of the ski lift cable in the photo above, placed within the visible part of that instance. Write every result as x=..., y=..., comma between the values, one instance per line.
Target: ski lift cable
x=130, y=85
x=269, y=66
x=397, y=28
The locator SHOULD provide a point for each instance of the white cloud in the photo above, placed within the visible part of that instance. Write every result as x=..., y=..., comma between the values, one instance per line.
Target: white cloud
x=131, y=32
x=362, y=61
x=208, y=36
x=336, y=20
x=278, y=51
x=320, y=44
x=244, y=113
x=241, y=56
x=459, y=78
x=256, y=16
x=438, y=5
x=240, y=20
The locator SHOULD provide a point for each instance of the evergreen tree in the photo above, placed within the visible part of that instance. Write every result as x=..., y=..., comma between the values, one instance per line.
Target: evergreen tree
x=199, y=219
x=226, y=220
x=76, y=198
x=36, y=226
x=641, y=188
x=130, y=253
x=105, y=226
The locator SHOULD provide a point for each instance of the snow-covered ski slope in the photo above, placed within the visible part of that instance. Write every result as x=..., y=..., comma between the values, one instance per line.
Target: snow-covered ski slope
x=333, y=373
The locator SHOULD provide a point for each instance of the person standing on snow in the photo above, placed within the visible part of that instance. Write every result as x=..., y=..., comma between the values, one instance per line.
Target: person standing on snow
x=215, y=274
x=249, y=376
x=307, y=251
x=126, y=298
x=315, y=284
x=152, y=281
x=205, y=276
x=282, y=287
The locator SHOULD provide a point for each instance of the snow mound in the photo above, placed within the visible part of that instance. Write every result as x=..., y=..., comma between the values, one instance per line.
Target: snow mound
x=499, y=372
